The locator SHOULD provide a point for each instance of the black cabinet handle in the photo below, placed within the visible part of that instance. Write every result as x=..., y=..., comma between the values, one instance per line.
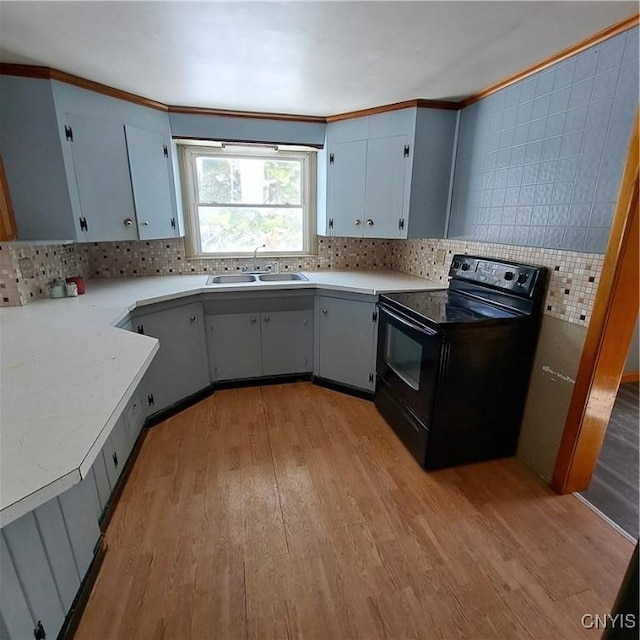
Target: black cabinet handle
x=39, y=632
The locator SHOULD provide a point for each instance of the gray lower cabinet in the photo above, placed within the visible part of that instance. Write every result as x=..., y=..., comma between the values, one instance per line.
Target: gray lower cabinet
x=179, y=368
x=346, y=341
x=234, y=344
x=287, y=342
x=116, y=450
x=81, y=510
x=251, y=345
x=109, y=464
x=24, y=556
x=45, y=555
x=16, y=620
x=53, y=529
x=101, y=478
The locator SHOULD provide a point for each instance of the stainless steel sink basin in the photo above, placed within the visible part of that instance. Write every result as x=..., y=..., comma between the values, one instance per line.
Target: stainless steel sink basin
x=281, y=277
x=230, y=279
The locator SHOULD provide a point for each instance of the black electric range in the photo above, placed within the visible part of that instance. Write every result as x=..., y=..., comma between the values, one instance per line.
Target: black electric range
x=454, y=364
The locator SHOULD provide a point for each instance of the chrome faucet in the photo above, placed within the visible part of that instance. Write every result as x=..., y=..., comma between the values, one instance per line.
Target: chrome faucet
x=255, y=252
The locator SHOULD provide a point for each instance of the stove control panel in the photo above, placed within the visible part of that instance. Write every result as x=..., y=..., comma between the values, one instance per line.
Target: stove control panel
x=507, y=276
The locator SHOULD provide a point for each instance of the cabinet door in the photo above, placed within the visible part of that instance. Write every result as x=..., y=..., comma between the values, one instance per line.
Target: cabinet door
x=102, y=176
x=179, y=368
x=385, y=187
x=134, y=417
x=287, y=342
x=150, y=177
x=81, y=509
x=58, y=547
x=116, y=450
x=346, y=184
x=26, y=550
x=15, y=617
x=346, y=333
x=234, y=345
x=101, y=477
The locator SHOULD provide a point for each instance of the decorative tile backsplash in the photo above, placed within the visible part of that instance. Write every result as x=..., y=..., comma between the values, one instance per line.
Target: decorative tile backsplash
x=573, y=275
x=27, y=269
x=168, y=257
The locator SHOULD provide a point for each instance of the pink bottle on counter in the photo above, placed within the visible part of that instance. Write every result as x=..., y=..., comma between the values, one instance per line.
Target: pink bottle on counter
x=79, y=282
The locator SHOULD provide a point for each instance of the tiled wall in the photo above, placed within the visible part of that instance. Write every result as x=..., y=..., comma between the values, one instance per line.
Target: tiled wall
x=27, y=269
x=573, y=281
x=168, y=257
x=539, y=163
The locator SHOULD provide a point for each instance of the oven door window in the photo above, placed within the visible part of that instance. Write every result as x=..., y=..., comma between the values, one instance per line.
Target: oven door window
x=408, y=356
x=403, y=356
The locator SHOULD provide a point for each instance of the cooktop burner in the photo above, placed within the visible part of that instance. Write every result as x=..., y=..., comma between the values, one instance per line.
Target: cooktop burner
x=445, y=306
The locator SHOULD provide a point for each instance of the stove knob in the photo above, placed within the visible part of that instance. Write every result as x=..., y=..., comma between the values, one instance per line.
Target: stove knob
x=522, y=278
x=465, y=266
x=509, y=276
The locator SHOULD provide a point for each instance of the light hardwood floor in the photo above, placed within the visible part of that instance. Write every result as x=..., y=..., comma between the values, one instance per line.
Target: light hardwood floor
x=293, y=511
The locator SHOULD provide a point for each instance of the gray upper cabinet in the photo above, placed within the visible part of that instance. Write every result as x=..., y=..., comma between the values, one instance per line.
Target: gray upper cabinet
x=346, y=345
x=388, y=175
x=347, y=166
x=179, y=368
x=86, y=167
x=102, y=178
x=149, y=164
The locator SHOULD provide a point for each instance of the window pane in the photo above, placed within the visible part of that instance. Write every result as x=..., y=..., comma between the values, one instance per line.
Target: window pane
x=252, y=181
x=240, y=230
x=218, y=180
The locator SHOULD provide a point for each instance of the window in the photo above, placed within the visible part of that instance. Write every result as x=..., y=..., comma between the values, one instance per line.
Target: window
x=241, y=197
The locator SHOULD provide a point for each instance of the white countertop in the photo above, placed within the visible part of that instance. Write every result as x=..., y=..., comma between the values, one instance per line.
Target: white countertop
x=67, y=373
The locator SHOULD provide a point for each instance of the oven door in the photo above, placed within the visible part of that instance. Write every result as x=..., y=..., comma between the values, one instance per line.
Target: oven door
x=407, y=361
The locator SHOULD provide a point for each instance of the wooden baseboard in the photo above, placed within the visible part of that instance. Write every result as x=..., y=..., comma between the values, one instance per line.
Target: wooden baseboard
x=632, y=376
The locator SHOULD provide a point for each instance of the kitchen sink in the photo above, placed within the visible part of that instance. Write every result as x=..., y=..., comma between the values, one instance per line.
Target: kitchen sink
x=281, y=277
x=230, y=279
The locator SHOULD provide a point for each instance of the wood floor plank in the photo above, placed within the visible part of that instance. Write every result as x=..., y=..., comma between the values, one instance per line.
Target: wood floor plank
x=293, y=511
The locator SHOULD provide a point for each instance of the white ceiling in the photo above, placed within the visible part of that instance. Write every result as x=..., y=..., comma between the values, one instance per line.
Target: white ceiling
x=314, y=58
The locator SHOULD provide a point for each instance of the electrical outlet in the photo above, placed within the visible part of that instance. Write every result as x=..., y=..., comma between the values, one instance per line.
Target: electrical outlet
x=441, y=256
x=26, y=267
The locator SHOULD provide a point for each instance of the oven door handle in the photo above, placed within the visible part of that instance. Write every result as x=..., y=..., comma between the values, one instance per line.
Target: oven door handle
x=407, y=323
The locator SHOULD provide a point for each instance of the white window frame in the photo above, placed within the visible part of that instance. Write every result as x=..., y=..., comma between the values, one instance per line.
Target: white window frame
x=189, y=150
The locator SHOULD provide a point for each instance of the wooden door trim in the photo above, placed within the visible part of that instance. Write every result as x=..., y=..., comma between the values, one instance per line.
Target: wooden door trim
x=8, y=229
x=607, y=342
